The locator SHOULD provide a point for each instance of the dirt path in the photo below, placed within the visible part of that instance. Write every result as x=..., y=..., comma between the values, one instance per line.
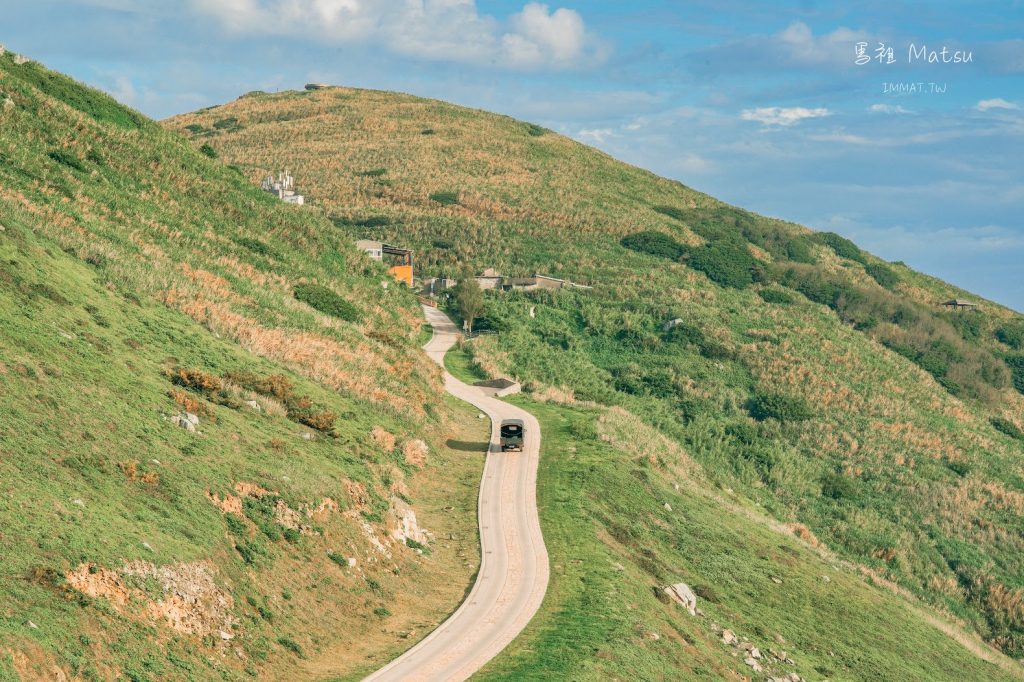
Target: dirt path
x=514, y=563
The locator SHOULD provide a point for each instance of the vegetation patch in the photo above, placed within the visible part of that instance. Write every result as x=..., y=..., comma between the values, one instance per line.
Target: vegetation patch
x=778, y=406
x=445, y=198
x=654, y=244
x=326, y=301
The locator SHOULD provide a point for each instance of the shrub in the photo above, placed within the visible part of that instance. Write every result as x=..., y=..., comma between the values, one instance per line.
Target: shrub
x=777, y=406
x=254, y=245
x=208, y=151
x=1016, y=365
x=427, y=131
x=338, y=559
x=196, y=380
x=373, y=173
x=961, y=469
x=292, y=646
x=842, y=246
x=381, y=612
x=194, y=128
x=1007, y=427
x=671, y=212
x=1011, y=333
x=445, y=198
x=534, y=130
x=798, y=250
x=413, y=544
x=654, y=244
x=67, y=159
x=775, y=296
x=326, y=301
x=442, y=244
x=838, y=487
x=320, y=420
x=884, y=275
x=726, y=263
x=225, y=123
x=94, y=156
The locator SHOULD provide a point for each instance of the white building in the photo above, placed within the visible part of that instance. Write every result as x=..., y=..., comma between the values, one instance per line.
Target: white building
x=283, y=188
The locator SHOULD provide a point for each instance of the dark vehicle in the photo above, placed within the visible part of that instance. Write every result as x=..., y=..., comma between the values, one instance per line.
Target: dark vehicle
x=512, y=431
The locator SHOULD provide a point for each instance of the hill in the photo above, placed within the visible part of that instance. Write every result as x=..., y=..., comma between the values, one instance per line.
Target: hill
x=823, y=385
x=215, y=418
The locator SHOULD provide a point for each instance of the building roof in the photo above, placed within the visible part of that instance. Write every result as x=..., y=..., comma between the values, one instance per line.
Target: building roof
x=366, y=244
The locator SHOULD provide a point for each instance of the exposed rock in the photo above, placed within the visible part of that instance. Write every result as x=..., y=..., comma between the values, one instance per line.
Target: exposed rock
x=777, y=581
x=20, y=59
x=668, y=507
x=253, y=405
x=407, y=526
x=184, y=422
x=415, y=452
x=671, y=323
x=32, y=625
x=352, y=562
x=755, y=653
x=684, y=596
x=826, y=579
x=78, y=501
x=307, y=436
x=754, y=665
x=729, y=637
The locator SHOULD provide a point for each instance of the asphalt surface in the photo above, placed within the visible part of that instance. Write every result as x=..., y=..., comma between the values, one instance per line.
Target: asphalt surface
x=514, y=562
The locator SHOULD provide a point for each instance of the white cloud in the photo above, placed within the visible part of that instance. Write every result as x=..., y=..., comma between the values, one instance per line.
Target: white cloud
x=437, y=30
x=782, y=116
x=888, y=109
x=596, y=135
x=996, y=103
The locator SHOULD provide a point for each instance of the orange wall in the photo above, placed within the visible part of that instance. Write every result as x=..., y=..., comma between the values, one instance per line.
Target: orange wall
x=403, y=273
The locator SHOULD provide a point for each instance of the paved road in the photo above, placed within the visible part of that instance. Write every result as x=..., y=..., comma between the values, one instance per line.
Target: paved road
x=514, y=564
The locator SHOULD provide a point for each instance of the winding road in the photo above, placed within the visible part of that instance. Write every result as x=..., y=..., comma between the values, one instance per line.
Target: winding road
x=514, y=562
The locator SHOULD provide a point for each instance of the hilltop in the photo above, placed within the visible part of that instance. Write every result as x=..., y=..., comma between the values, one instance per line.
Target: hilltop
x=811, y=383
x=217, y=423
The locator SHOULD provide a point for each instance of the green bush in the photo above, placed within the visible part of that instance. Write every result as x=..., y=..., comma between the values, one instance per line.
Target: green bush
x=655, y=244
x=672, y=212
x=777, y=406
x=381, y=612
x=338, y=559
x=427, y=131
x=207, y=150
x=884, y=275
x=195, y=128
x=798, y=250
x=445, y=198
x=775, y=296
x=842, y=246
x=373, y=173
x=1007, y=427
x=224, y=123
x=67, y=159
x=326, y=301
x=1011, y=333
x=534, y=130
x=838, y=487
x=254, y=245
x=292, y=646
x=725, y=262
x=1016, y=365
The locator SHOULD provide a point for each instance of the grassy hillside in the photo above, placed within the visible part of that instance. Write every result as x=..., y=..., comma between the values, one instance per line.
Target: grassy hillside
x=803, y=374
x=142, y=282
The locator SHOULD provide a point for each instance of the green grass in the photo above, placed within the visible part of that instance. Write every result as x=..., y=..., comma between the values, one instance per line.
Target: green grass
x=612, y=541
x=130, y=293
x=898, y=467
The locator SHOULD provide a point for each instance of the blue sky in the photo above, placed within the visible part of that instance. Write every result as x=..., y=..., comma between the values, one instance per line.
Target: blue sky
x=760, y=104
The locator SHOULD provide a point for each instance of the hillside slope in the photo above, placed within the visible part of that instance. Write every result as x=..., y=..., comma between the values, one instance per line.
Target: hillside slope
x=142, y=282
x=805, y=375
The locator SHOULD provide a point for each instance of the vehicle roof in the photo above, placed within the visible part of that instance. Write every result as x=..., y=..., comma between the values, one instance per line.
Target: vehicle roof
x=512, y=421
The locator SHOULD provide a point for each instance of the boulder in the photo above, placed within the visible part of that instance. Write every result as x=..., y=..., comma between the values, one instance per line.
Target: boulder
x=729, y=637
x=253, y=405
x=684, y=596
x=754, y=665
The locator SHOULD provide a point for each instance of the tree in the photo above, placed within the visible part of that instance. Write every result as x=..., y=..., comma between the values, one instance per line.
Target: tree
x=469, y=299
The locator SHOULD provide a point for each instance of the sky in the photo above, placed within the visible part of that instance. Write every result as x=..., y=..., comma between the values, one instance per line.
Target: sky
x=834, y=115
